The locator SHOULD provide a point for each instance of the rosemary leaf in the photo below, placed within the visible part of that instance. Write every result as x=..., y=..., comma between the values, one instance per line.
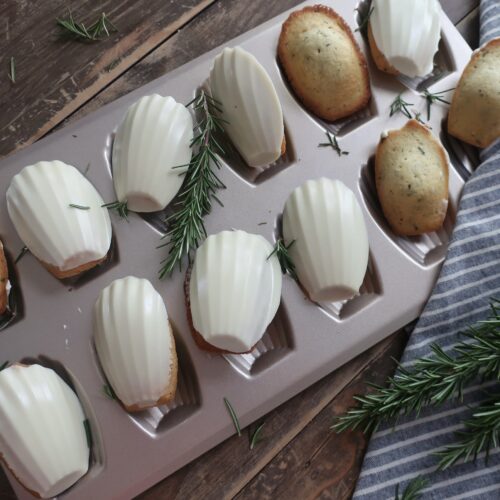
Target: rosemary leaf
x=255, y=436
x=332, y=143
x=399, y=105
x=233, y=416
x=433, y=98
x=120, y=207
x=286, y=263
x=12, y=70
x=186, y=228
x=80, y=207
x=23, y=251
x=88, y=432
x=109, y=392
x=4, y=365
x=413, y=491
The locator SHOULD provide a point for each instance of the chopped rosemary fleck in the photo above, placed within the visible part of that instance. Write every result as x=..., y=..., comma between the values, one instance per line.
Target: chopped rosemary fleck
x=4, y=365
x=109, y=392
x=86, y=171
x=399, y=105
x=255, y=436
x=80, y=207
x=332, y=143
x=286, y=263
x=413, y=491
x=23, y=251
x=421, y=150
x=88, y=432
x=233, y=416
x=433, y=98
x=262, y=223
x=120, y=207
x=96, y=31
x=12, y=70
x=363, y=20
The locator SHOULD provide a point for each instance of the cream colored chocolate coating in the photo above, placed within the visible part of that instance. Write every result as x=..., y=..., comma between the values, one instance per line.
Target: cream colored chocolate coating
x=154, y=137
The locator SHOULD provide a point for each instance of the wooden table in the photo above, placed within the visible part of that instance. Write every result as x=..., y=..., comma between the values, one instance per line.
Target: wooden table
x=58, y=82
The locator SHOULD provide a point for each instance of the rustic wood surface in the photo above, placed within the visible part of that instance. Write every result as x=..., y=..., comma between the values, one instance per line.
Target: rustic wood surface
x=60, y=81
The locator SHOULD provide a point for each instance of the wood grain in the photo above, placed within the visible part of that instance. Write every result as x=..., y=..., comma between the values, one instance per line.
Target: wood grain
x=56, y=76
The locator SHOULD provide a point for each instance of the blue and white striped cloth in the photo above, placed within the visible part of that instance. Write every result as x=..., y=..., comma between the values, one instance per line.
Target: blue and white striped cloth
x=469, y=277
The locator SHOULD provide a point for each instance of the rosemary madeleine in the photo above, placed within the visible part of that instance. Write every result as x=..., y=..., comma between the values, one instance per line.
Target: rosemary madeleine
x=154, y=137
x=42, y=202
x=475, y=109
x=233, y=291
x=404, y=35
x=135, y=345
x=43, y=438
x=330, y=250
x=253, y=118
x=323, y=63
x=411, y=174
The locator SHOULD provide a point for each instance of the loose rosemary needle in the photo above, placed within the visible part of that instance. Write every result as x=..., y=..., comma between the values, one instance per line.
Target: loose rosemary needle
x=120, y=207
x=23, y=251
x=332, y=143
x=433, y=98
x=399, y=105
x=12, y=70
x=96, y=31
x=255, y=436
x=109, y=392
x=234, y=418
x=80, y=207
x=286, y=263
x=186, y=228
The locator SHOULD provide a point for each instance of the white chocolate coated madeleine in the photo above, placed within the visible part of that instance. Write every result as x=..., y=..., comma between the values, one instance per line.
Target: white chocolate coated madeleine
x=330, y=249
x=134, y=342
x=66, y=239
x=250, y=106
x=404, y=35
x=154, y=137
x=42, y=433
x=234, y=290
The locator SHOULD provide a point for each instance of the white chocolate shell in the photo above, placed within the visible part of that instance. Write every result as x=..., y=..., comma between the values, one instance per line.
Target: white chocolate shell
x=42, y=433
x=38, y=202
x=407, y=33
x=154, y=137
x=330, y=252
x=250, y=106
x=234, y=290
x=135, y=344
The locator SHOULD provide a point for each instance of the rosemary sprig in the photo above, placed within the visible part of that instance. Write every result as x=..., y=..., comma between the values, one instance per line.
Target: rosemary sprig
x=363, y=20
x=286, y=263
x=255, y=436
x=186, y=227
x=12, y=70
x=432, y=98
x=80, y=207
x=109, y=392
x=482, y=432
x=332, y=143
x=23, y=251
x=433, y=380
x=121, y=208
x=399, y=105
x=413, y=491
x=234, y=418
x=4, y=365
x=96, y=31
x=88, y=432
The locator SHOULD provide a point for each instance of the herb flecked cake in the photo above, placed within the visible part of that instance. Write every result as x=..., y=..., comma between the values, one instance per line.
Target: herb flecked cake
x=411, y=174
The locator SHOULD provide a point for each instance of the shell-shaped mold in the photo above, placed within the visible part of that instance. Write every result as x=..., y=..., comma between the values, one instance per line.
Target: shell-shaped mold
x=330, y=250
x=42, y=434
x=67, y=239
x=407, y=34
x=234, y=290
x=250, y=106
x=135, y=345
x=153, y=138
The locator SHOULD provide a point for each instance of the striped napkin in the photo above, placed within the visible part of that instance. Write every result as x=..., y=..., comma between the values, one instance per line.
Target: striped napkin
x=469, y=277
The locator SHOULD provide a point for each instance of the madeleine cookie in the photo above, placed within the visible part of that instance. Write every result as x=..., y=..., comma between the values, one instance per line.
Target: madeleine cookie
x=404, y=35
x=4, y=281
x=411, y=174
x=135, y=345
x=249, y=105
x=43, y=437
x=475, y=109
x=59, y=216
x=330, y=250
x=234, y=291
x=323, y=63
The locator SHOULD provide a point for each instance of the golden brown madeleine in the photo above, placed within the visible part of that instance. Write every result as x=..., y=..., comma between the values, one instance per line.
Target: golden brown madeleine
x=475, y=109
x=323, y=63
x=4, y=281
x=411, y=173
